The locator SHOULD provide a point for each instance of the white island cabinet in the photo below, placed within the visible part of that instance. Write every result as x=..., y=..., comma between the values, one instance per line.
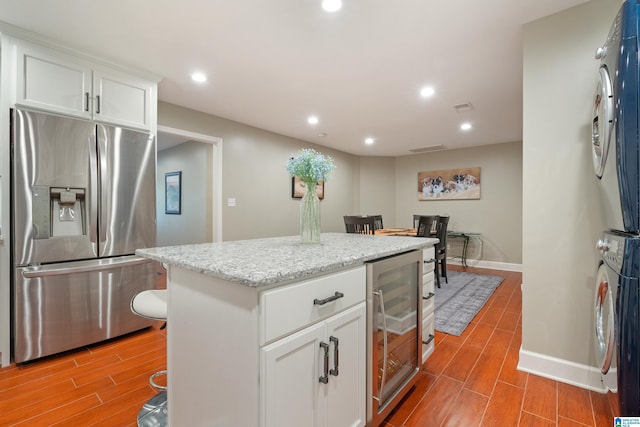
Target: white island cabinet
x=314, y=376
x=270, y=332
x=428, y=304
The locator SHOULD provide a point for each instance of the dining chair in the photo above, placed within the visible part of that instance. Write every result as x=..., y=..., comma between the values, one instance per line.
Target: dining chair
x=426, y=224
x=416, y=220
x=359, y=224
x=416, y=223
x=441, y=247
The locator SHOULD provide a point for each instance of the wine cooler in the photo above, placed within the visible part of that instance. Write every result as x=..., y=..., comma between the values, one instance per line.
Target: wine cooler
x=394, y=331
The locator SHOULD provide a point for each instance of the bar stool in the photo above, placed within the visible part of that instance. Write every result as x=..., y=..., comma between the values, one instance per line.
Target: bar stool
x=152, y=304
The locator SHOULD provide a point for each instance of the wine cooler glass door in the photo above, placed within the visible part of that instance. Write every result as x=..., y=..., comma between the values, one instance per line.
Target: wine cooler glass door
x=395, y=341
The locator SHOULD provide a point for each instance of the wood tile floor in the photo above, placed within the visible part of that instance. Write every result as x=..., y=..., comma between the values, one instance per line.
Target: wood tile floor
x=472, y=380
x=469, y=380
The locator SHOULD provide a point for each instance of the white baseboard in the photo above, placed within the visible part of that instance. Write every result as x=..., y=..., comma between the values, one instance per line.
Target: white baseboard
x=478, y=263
x=561, y=370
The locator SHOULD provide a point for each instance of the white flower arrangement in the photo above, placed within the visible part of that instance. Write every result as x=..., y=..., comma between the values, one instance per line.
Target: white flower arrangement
x=310, y=166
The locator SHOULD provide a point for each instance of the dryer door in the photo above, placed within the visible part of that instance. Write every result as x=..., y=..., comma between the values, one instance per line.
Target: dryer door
x=604, y=318
x=602, y=123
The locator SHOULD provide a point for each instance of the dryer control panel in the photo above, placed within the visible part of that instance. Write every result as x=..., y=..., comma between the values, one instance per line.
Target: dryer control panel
x=611, y=248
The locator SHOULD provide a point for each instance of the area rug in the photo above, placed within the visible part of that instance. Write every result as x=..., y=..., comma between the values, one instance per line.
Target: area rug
x=458, y=301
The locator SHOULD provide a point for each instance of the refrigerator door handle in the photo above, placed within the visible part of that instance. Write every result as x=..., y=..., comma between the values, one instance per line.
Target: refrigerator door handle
x=83, y=266
x=93, y=189
x=104, y=170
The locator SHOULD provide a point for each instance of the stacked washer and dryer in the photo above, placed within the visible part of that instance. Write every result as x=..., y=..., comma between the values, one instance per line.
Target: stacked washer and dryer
x=616, y=158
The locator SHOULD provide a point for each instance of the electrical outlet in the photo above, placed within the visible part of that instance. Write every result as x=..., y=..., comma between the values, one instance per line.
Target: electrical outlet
x=231, y=202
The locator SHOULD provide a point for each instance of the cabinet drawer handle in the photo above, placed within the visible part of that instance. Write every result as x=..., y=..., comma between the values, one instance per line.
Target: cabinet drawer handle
x=431, y=337
x=429, y=261
x=325, y=378
x=86, y=101
x=431, y=295
x=334, y=371
x=336, y=296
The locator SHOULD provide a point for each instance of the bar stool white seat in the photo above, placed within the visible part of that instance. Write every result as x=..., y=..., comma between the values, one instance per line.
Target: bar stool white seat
x=152, y=304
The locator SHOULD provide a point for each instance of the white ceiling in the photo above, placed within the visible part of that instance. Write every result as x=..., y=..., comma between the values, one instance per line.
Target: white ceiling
x=273, y=63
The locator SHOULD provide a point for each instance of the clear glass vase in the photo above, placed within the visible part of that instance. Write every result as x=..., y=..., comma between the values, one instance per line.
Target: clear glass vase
x=310, y=215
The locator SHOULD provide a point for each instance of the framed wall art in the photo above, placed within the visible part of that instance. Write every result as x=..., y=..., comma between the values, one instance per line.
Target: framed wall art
x=449, y=184
x=173, y=193
x=297, y=188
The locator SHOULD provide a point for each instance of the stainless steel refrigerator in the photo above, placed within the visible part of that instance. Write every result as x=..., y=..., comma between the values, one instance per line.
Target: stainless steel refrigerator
x=83, y=200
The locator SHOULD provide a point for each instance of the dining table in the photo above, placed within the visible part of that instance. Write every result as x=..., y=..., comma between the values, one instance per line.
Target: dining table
x=411, y=231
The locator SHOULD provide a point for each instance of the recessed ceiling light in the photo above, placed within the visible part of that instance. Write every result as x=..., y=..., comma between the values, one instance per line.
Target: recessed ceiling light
x=312, y=120
x=427, y=91
x=369, y=141
x=466, y=126
x=331, y=5
x=198, y=77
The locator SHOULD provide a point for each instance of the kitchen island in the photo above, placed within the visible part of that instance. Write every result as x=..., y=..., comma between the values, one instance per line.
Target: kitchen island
x=248, y=322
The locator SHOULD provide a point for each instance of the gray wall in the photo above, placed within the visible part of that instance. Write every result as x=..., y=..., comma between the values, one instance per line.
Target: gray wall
x=376, y=188
x=498, y=212
x=254, y=173
x=193, y=225
x=561, y=221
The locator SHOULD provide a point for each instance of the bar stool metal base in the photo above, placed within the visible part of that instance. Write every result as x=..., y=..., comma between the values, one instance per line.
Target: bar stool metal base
x=154, y=412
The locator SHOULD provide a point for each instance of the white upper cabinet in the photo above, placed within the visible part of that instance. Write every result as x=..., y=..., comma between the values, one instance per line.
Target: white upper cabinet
x=50, y=80
x=121, y=99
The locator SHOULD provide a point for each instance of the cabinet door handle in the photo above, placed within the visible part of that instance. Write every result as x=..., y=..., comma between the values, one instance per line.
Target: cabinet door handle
x=336, y=353
x=86, y=101
x=336, y=296
x=98, y=104
x=324, y=379
x=428, y=341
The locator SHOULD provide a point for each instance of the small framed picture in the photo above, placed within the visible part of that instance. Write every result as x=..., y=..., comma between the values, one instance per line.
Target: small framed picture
x=173, y=193
x=297, y=188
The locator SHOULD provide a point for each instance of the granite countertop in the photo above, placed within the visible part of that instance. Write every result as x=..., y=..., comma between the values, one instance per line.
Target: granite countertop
x=269, y=261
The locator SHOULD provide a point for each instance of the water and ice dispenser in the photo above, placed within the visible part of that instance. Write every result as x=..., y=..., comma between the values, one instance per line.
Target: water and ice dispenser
x=58, y=211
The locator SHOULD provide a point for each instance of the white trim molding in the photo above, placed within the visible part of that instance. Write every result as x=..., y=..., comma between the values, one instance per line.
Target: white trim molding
x=565, y=371
x=478, y=263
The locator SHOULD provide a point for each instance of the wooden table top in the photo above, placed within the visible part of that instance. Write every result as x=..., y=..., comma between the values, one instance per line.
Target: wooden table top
x=396, y=232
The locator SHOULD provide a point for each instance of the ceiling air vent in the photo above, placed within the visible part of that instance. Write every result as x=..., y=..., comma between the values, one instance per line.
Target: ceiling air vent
x=461, y=108
x=428, y=149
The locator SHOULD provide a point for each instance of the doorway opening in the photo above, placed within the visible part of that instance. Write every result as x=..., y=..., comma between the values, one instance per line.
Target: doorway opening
x=170, y=140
